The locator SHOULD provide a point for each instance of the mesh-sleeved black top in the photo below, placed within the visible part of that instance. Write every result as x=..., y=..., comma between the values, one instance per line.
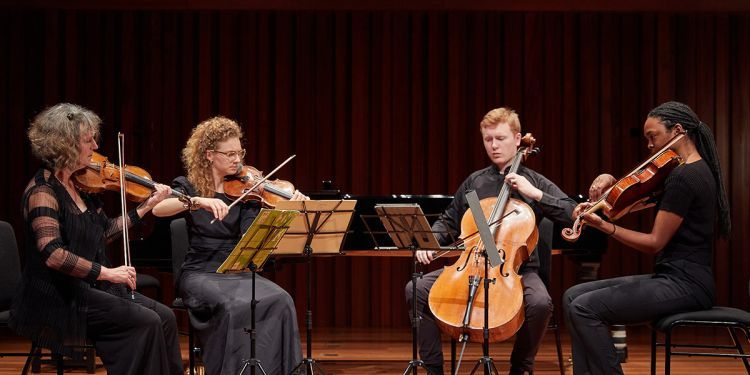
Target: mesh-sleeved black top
x=65, y=249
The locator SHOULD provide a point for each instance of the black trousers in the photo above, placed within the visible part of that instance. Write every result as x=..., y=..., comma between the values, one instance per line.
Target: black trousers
x=538, y=309
x=590, y=308
x=133, y=337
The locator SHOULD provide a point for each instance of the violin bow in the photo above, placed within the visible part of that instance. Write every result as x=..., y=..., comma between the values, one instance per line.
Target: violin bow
x=262, y=180
x=123, y=204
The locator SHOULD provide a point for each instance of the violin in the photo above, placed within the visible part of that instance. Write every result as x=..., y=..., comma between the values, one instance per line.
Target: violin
x=457, y=297
x=268, y=192
x=634, y=192
x=101, y=175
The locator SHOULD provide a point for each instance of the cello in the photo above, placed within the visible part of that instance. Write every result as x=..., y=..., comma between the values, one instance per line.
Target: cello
x=457, y=297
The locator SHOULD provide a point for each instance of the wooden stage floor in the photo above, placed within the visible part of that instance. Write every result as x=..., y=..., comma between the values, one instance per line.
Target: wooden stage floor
x=388, y=351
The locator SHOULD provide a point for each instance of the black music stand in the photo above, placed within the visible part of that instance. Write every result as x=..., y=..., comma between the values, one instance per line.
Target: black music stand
x=491, y=256
x=408, y=228
x=253, y=249
x=322, y=225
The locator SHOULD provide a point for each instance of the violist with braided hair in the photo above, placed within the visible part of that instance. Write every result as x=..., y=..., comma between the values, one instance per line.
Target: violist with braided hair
x=681, y=238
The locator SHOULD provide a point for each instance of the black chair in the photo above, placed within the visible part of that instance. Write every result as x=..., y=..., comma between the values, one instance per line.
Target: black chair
x=145, y=281
x=10, y=278
x=722, y=317
x=179, y=237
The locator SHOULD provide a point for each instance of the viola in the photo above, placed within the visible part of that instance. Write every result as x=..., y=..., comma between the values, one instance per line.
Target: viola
x=513, y=226
x=268, y=192
x=101, y=175
x=635, y=191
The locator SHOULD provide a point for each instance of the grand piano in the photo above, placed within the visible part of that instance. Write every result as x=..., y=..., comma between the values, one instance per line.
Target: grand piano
x=153, y=249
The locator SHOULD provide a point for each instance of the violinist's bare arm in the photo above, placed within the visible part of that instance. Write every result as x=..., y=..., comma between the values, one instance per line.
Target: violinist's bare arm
x=173, y=206
x=665, y=226
x=160, y=193
x=169, y=207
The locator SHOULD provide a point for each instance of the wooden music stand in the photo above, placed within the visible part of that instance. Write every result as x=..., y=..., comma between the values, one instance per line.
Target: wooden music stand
x=250, y=253
x=322, y=225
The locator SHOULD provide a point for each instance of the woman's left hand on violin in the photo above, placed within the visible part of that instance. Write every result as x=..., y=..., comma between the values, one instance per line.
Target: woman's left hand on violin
x=160, y=193
x=298, y=196
x=523, y=186
x=595, y=221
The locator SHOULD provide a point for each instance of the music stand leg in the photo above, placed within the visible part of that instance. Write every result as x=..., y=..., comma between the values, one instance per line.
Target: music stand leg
x=253, y=362
x=308, y=363
x=486, y=363
x=415, y=361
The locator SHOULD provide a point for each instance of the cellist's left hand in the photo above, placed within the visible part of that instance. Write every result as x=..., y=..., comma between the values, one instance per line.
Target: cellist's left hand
x=523, y=186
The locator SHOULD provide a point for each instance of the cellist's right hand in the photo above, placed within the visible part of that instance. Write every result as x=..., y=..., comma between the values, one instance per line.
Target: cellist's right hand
x=425, y=256
x=600, y=185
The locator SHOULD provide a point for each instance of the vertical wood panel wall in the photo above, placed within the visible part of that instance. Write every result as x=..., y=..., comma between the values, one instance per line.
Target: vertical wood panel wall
x=387, y=102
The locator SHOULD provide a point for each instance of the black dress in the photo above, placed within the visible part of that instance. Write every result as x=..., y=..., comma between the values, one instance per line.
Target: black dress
x=60, y=303
x=219, y=304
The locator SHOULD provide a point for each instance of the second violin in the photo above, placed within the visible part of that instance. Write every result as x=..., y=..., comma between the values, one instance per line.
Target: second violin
x=267, y=192
x=633, y=192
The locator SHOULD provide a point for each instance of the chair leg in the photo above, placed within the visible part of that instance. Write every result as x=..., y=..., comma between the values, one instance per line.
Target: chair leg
x=36, y=361
x=90, y=360
x=191, y=349
x=667, y=350
x=653, y=351
x=453, y=355
x=60, y=364
x=559, y=348
x=738, y=345
x=26, y=365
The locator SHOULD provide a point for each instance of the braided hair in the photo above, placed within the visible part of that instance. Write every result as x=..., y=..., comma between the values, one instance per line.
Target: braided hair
x=673, y=113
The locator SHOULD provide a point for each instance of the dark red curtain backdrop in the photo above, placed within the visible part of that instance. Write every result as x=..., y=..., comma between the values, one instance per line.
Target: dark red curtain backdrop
x=386, y=102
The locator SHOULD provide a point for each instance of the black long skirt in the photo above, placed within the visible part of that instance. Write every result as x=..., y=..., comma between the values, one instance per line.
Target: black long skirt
x=219, y=307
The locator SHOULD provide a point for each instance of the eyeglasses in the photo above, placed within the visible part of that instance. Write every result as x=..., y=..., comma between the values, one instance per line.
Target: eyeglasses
x=232, y=154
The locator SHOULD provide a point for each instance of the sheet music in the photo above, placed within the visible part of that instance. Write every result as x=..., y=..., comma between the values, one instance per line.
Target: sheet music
x=259, y=241
x=333, y=223
x=403, y=220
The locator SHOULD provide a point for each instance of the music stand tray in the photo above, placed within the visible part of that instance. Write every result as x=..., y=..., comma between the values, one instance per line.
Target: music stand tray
x=259, y=241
